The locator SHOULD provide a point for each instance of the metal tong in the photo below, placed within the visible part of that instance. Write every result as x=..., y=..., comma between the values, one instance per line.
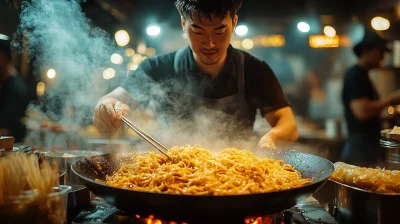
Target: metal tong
x=146, y=137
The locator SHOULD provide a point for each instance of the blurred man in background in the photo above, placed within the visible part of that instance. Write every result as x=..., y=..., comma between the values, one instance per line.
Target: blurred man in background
x=363, y=105
x=13, y=96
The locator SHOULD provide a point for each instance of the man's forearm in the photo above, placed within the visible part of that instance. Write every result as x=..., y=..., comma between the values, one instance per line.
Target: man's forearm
x=122, y=95
x=373, y=108
x=284, y=125
x=284, y=131
x=364, y=109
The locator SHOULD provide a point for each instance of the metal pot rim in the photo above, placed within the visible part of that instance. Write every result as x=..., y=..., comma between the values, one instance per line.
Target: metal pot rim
x=366, y=191
x=60, y=153
x=386, y=135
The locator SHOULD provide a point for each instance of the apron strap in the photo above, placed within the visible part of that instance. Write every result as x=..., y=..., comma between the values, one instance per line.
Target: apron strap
x=240, y=70
x=177, y=59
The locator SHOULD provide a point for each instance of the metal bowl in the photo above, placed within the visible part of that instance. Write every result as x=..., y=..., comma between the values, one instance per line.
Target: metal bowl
x=391, y=143
x=355, y=205
x=388, y=136
x=61, y=176
x=64, y=159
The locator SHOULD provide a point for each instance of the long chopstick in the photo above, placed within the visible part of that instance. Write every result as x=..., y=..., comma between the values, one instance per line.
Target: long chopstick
x=160, y=147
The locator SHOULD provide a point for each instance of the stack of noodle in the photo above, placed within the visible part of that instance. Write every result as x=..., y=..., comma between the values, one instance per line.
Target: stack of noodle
x=25, y=186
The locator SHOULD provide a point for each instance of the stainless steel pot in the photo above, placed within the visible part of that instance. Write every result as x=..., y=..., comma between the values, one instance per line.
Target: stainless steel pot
x=78, y=199
x=391, y=143
x=354, y=205
x=64, y=159
x=112, y=145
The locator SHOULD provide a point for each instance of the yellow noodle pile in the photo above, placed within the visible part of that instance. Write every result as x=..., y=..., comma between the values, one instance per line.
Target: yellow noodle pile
x=199, y=171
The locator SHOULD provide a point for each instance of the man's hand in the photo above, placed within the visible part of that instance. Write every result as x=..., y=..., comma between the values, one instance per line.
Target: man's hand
x=4, y=131
x=284, y=128
x=108, y=114
x=394, y=97
x=267, y=142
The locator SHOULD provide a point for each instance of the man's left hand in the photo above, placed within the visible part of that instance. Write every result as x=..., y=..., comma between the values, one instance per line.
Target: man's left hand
x=4, y=131
x=267, y=142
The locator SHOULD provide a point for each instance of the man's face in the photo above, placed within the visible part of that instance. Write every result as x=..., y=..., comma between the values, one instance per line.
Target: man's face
x=209, y=40
x=375, y=57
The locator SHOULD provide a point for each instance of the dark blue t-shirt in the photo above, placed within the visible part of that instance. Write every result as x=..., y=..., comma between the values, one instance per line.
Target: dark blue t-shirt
x=357, y=84
x=156, y=76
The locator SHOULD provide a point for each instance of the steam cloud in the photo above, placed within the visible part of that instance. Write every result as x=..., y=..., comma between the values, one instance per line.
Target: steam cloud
x=62, y=37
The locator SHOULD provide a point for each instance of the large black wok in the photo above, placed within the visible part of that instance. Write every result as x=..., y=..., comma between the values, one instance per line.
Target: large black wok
x=189, y=207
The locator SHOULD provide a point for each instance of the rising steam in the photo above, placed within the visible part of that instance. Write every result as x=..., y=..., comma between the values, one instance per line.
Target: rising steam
x=60, y=36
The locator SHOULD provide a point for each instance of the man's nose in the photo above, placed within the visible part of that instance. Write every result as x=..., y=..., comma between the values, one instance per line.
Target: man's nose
x=208, y=41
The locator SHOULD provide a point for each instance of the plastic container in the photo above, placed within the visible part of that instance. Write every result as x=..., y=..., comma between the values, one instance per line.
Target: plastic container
x=30, y=207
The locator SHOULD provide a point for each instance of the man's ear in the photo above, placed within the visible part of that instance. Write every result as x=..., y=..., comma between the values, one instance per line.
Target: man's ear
x=235, y=20
x=183, y=22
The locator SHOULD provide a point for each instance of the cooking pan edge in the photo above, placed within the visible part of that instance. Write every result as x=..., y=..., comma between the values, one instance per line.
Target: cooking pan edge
x=202, y=205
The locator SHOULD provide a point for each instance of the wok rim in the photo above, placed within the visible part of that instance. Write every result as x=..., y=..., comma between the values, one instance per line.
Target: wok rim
x=322, y=181
x=363, y=190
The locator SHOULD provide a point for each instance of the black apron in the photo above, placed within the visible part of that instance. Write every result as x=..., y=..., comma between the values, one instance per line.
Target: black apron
x=363, y=150
x=232, y=112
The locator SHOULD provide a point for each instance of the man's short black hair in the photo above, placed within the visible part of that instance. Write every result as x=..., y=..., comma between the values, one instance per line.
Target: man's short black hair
x=200, y=9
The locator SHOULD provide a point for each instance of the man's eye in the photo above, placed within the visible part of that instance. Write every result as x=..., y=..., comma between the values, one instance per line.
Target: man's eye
x=196, y=31
x=220, y=33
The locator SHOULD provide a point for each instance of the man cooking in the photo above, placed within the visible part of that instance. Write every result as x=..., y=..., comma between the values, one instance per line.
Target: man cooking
x=362, y=104
x=14, y=96
x=208, y=75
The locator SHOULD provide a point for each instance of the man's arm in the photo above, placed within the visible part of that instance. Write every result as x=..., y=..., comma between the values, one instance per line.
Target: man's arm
x=111, y=107
x=274, y=106
x=109, y=110
x=134, y=90
x=284, y=128
x=365, y=109
x=122, y=95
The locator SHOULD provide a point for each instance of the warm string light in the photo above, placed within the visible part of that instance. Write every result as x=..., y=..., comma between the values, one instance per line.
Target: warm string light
x=379, y=23
x=122, y=38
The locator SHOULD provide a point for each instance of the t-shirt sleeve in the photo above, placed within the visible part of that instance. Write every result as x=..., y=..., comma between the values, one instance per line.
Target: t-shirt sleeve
x=151, y=71
x=133, y=77
x=356, y=86
x=140, y=83
x=268, y=91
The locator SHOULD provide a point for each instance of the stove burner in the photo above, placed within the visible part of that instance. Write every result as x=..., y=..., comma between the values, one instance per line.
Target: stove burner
x=309, y=211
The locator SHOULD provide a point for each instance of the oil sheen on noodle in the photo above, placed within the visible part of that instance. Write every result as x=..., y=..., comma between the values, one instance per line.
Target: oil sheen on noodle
x=202, y=172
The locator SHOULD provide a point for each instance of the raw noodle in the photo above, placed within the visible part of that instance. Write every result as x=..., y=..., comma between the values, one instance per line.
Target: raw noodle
x=25, y=189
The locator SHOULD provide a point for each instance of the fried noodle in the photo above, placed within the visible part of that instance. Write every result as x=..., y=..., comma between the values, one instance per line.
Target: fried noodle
x=199, y=171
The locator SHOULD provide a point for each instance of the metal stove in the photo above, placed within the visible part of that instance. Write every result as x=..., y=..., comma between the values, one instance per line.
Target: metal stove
x=309, y=211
